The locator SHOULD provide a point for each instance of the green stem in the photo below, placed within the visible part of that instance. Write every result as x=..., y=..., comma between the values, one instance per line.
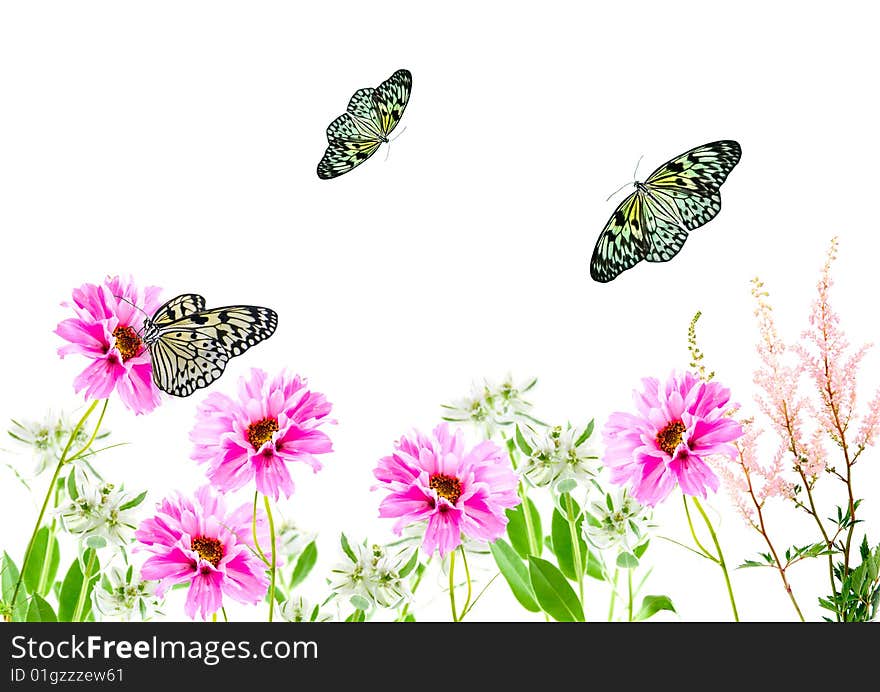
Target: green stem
x=416, y=582
x=629, y=590
x=575, y=545
x=61, y=462
x=94, y=436
x=527, y=516
x=467, y=573
x=272, y=569
x=613, y=594
x=78, y=611
x=687, y=512
x=223, y=610
x=254, y=530
x=452, y=586
x=720, y=559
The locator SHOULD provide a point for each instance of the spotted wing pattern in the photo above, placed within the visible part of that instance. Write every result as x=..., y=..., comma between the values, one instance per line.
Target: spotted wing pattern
x=372, y=114
x=190, y=346
x=653, y=222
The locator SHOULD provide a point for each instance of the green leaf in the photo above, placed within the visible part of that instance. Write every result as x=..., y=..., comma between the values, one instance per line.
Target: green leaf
x=71, y=486
x=411, y=564
x=515, y=574
x=356, y=616
x=517, y=530
x=521, y=443
x=585, y=435
x=304, y=565
x=135, y=502
x=627, y=560
x=359, y=602
x=553, y=591
x=640, y=549
x=8, y=578
x=43, y=563
x=562, y=545
x=40, y=611
x=409, y=618
x=595, y=567
x=346, y=547
x=72, y=585
x=652, y=605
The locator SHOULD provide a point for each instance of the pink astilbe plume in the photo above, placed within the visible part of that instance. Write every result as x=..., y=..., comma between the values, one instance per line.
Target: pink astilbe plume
x=749, y=483
x=825, y=359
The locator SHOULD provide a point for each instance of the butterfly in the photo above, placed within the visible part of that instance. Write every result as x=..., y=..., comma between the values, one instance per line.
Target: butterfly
x=190, y=346
x=653, y=222
x=371, y=116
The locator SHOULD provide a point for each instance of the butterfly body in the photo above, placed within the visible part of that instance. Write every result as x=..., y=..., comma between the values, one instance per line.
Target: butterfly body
x=190, y=345
x=653, y=222
x=371, y=116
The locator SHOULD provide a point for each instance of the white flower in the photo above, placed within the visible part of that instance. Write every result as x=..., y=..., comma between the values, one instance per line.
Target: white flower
x=48, y=438
x=123, y=595
x=617, y=521
x=373, y=577
x=559, y=456
x=491, y=406
x=292, y=540
x=300, y=610
x=100, y=514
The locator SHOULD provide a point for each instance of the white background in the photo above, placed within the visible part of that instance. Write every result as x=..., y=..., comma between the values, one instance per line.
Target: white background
x=178, y=142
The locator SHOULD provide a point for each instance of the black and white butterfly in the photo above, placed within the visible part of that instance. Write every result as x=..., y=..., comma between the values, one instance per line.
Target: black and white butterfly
x=653, y=222
x=190, y=346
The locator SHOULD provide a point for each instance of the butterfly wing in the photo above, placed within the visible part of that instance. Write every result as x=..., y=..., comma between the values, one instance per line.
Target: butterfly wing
x=351, y=142
x=622, y=243
x=688, y=186
x=186, y=360
x=192, y=351
x=665, y=236
x=391, y=98
x=174, y=309
x=371, y=115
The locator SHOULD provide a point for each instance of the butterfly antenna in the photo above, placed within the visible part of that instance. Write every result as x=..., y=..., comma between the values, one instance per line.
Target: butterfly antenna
x=636, y=171
x=136, y=307
x=388, y=152
x=622, y=187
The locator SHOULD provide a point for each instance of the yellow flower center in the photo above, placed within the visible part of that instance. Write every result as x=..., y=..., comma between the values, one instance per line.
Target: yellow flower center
x=209, y=549
x=446, y=486
x=128, y=343
x=260, y=433
x=669, y=438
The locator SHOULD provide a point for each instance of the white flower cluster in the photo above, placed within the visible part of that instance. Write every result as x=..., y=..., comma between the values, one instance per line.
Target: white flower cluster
x=617, y=521
x=48, y=438
x=99, y=513
x=559, y=456
x=491, y=406
x=123, y=595
x=372, y=576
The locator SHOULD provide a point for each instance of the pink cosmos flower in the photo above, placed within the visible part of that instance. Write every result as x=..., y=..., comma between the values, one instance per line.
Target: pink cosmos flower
x=677, y=427
x=457, y=491
x=273, y=422
x=198, y=541
x=107, y=330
